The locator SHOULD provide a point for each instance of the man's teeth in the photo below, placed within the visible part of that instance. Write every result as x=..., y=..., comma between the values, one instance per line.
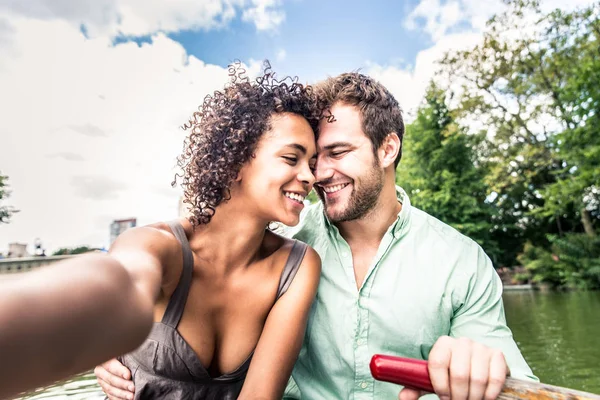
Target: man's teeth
x=294, y=196
x=331, y=189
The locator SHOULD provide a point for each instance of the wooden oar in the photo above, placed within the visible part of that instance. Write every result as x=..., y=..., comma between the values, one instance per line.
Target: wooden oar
x=414, y=374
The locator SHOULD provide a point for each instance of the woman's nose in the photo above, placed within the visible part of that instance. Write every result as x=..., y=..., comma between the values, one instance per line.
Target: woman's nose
x=306, y=176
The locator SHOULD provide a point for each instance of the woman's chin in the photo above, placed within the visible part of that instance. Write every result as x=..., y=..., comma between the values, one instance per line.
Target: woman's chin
x=290, y=220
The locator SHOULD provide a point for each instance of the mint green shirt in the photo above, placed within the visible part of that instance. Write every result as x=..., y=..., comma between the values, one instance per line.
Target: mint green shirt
x=427, y=280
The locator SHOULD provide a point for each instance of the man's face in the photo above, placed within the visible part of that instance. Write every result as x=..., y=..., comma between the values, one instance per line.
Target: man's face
x=349, y=176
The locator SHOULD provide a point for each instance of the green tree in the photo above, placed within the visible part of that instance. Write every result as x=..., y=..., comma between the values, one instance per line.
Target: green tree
x=5, y=211
x=574, y=40
x=441, y=174
x=531, y=84
x=571, y=261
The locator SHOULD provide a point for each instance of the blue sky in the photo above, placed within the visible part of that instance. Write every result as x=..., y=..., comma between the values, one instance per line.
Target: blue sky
x=318, y=37
x=93, y=91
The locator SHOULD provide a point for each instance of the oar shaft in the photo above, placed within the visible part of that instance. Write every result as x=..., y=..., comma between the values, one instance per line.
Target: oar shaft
x=415, y=374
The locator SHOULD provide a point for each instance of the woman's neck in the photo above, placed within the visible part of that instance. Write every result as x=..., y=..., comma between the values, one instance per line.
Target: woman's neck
x=232, y=239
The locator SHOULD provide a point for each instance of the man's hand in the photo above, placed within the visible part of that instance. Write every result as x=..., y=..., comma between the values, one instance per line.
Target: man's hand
x=461, y=369
x=115, y=380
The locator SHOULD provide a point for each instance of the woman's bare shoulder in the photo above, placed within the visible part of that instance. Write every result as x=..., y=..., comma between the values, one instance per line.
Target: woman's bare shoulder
x=282, y=247
x=276, y=245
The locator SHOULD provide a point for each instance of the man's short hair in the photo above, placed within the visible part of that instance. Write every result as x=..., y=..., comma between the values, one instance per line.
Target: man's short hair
x=380, y=112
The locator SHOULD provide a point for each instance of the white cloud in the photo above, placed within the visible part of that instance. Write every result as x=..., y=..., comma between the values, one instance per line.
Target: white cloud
x=281, y=54
x=409, y=85
x=144, y=17
x=265, y=14
x=90, y=131
x=441, y=17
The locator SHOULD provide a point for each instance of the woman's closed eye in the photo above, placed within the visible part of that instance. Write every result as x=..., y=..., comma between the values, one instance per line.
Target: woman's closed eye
x=292, y=160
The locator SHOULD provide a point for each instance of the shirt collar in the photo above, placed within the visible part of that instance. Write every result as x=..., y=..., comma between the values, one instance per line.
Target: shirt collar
x=397, y=227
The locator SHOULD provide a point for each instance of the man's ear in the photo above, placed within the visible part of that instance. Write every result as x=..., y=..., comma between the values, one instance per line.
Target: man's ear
x=389, y=149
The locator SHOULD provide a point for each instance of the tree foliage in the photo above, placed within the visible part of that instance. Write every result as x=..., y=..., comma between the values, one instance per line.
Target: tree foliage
x=441, y=173
x=5, y=211
x=522, y=108
x=76, y=250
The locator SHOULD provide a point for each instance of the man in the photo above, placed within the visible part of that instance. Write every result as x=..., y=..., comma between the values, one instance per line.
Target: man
x=394, y=279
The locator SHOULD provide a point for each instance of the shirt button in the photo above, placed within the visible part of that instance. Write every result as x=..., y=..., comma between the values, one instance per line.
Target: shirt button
x=364, y=385
x=360, y=342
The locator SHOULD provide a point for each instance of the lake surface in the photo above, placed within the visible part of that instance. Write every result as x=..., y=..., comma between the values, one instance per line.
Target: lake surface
x=558, y=333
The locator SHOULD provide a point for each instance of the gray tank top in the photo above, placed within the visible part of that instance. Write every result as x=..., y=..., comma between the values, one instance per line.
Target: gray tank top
x=165, y=367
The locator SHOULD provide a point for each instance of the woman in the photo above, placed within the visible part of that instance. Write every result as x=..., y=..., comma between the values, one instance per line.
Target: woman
x=229, y=299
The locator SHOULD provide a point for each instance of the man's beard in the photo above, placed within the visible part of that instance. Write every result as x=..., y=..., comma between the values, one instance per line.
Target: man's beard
x=363, y=197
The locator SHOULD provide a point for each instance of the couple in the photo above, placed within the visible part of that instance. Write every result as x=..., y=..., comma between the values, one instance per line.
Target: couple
x=394, y=280
x=227, y=302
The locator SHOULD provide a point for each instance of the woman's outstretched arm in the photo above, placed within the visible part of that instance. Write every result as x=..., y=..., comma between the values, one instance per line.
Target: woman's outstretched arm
x=68, y=317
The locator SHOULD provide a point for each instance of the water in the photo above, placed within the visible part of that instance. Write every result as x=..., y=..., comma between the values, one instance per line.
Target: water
x=558, y=333
x=80, y=387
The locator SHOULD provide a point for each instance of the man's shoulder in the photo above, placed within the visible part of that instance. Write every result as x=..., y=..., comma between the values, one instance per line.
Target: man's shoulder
x=436, y=230
x=459, y=256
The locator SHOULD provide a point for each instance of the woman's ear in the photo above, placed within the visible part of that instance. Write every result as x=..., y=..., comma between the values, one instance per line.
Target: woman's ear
x=240, y=174
x=389, y=149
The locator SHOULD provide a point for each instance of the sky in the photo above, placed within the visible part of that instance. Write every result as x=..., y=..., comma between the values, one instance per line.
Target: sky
x=93, y=92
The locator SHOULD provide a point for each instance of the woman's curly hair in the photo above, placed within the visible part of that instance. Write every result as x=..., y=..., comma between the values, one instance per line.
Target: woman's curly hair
x=225, y=131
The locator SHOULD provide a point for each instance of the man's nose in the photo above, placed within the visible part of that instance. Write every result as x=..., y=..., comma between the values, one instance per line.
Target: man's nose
x=323, y=170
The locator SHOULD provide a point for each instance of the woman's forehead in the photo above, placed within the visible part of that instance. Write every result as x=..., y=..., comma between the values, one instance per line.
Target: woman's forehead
x=288, y=129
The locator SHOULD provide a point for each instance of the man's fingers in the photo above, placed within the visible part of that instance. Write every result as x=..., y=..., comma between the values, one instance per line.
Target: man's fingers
x=114, y=393
x=410, y=394
x=460, y=369
x=438, y=365
x=115, y=367
x=497, y=375
x=113, y=380
x=115, y=374
x=480, y=369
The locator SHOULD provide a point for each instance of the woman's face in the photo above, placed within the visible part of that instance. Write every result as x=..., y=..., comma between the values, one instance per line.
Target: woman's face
x=277, y=180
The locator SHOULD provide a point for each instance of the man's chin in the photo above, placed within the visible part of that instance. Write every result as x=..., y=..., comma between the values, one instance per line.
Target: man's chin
x=334, y=215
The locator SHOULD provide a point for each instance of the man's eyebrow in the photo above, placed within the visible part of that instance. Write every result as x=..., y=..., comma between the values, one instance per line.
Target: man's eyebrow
x=337, y=144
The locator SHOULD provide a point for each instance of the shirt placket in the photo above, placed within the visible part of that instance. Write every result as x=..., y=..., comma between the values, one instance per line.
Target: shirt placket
x=363, y=381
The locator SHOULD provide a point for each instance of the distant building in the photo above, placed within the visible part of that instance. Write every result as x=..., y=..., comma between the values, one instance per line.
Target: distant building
x=119, y=226
x=16, y=250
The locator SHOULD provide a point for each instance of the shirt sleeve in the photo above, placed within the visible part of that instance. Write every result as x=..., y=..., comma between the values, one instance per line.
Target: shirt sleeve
x=479, y=313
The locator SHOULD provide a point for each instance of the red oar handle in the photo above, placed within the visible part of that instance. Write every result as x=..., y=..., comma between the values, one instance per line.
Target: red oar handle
x=414, y=374
x=402, y=371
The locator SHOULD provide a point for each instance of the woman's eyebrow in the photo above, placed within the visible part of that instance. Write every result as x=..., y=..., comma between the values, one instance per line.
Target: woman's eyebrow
x=297, y=147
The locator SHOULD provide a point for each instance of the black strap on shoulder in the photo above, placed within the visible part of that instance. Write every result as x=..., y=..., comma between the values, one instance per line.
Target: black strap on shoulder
x=291, y=266
x=179, y=297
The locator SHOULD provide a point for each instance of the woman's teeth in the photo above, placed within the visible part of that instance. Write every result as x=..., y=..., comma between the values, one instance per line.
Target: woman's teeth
x=294, y=196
